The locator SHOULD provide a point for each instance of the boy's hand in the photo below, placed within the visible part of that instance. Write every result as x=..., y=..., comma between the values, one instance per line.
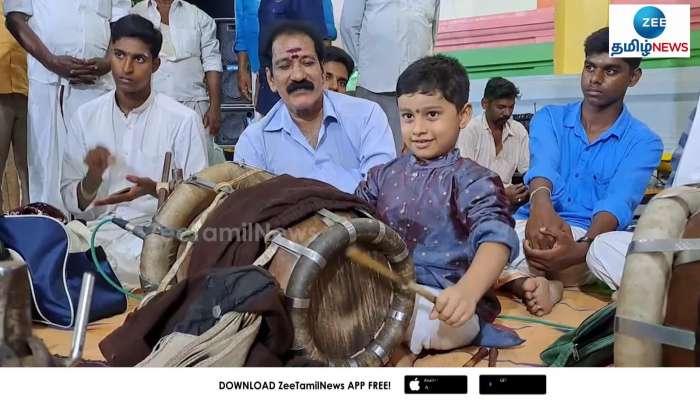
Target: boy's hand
x=454, y=306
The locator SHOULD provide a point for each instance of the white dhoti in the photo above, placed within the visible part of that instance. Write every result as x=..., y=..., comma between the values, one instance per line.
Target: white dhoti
x=606, y=257
x=427, y=334
x=123, y=250
x=215, y=154
x=48, y=109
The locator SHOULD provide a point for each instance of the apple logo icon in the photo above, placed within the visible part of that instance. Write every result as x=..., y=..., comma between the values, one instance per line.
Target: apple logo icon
x=414, y=385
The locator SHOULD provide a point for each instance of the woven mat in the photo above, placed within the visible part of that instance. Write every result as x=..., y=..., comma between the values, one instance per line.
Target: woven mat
x=574, y=308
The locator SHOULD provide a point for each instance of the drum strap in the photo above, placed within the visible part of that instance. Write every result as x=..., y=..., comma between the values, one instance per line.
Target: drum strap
x=688, y=249
x=668, y=335
x=661, y=245
x=223, y=190
x=335, y=218
x=300, y=250
x=270, y=251
x=266, y=256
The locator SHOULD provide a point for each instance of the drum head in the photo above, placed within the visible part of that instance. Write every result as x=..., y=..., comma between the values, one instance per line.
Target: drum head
x=343, y=314
x=348, y=306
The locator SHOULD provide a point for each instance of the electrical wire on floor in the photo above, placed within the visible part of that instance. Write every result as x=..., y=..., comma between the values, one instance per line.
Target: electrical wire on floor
x=96, y=262
x=536, y=321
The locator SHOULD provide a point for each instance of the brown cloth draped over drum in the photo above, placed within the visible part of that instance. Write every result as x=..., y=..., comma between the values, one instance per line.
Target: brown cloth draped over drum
x=683, y=304
x=278, y=203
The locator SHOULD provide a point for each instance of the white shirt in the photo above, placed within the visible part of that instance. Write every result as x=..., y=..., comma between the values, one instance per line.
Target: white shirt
x=386, y=36
x=193, y=35
x=138, y=142
x=476, y=142
x=78, y=28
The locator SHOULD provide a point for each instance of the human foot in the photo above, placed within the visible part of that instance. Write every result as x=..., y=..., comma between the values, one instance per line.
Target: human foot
x=540, y=295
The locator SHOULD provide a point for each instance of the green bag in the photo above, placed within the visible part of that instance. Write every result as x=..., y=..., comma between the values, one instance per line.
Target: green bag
x=590, y=345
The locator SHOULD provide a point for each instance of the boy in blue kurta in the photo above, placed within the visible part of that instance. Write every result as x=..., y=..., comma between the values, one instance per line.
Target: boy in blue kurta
x=452, y=212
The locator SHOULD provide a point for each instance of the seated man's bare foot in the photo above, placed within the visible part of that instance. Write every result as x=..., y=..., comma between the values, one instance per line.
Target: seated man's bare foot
x=540, y=295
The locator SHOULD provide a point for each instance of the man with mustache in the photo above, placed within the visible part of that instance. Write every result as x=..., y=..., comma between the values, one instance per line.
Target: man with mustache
x=496, y=141
x=313, y=133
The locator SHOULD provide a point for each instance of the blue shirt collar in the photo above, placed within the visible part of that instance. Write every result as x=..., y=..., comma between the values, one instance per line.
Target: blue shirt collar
x=618, y=129
x=279, y=117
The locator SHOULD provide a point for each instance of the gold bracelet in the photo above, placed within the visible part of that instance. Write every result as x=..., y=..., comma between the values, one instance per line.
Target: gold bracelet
x=532, y=194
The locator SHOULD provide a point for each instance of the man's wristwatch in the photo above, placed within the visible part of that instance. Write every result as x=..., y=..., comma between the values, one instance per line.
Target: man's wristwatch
x=585, y=239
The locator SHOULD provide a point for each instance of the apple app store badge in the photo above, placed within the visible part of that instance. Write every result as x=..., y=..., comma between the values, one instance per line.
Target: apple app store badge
x=435, y=384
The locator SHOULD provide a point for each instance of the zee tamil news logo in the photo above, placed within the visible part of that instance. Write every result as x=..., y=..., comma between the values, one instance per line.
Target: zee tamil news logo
x=650, y=31
x=650, y=22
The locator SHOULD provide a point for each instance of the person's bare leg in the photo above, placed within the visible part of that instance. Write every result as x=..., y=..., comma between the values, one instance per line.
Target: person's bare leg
x=7, y=119
x=19, y=149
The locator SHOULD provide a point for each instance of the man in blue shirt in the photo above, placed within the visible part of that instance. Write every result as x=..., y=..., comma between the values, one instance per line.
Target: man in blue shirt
x=313, y=133
x=590, y=164
x=609, y=251
x=251, y=15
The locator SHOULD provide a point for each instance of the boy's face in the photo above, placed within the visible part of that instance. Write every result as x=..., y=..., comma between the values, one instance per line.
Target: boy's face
x=132, y=65
x=605, y=80
x=430, y=124
x=337, y=76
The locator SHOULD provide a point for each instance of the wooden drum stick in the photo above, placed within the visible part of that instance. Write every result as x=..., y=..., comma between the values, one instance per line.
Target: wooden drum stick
x=163, y=193
x=365, y=260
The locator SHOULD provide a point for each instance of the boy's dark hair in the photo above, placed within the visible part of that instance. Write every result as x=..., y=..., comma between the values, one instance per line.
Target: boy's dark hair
x=599, y=42
x=339, y=55
x=499, y=88
x=436, y=73
x=289, y=28
x=136, y=26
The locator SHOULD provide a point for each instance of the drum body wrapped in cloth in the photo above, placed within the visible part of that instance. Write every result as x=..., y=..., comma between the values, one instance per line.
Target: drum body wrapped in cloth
x=659, y=302
x=186, y=207
x=343, y=314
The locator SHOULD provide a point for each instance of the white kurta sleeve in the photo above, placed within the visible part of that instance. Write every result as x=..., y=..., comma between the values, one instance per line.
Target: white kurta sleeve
x=468, y=140
x=74, y=170
x=22, y=6
x=120, y=8
x=351, y=25
x=211, y=55
x=189, y=149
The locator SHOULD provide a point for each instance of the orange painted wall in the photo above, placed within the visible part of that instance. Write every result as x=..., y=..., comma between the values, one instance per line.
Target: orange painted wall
x=545, y=3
